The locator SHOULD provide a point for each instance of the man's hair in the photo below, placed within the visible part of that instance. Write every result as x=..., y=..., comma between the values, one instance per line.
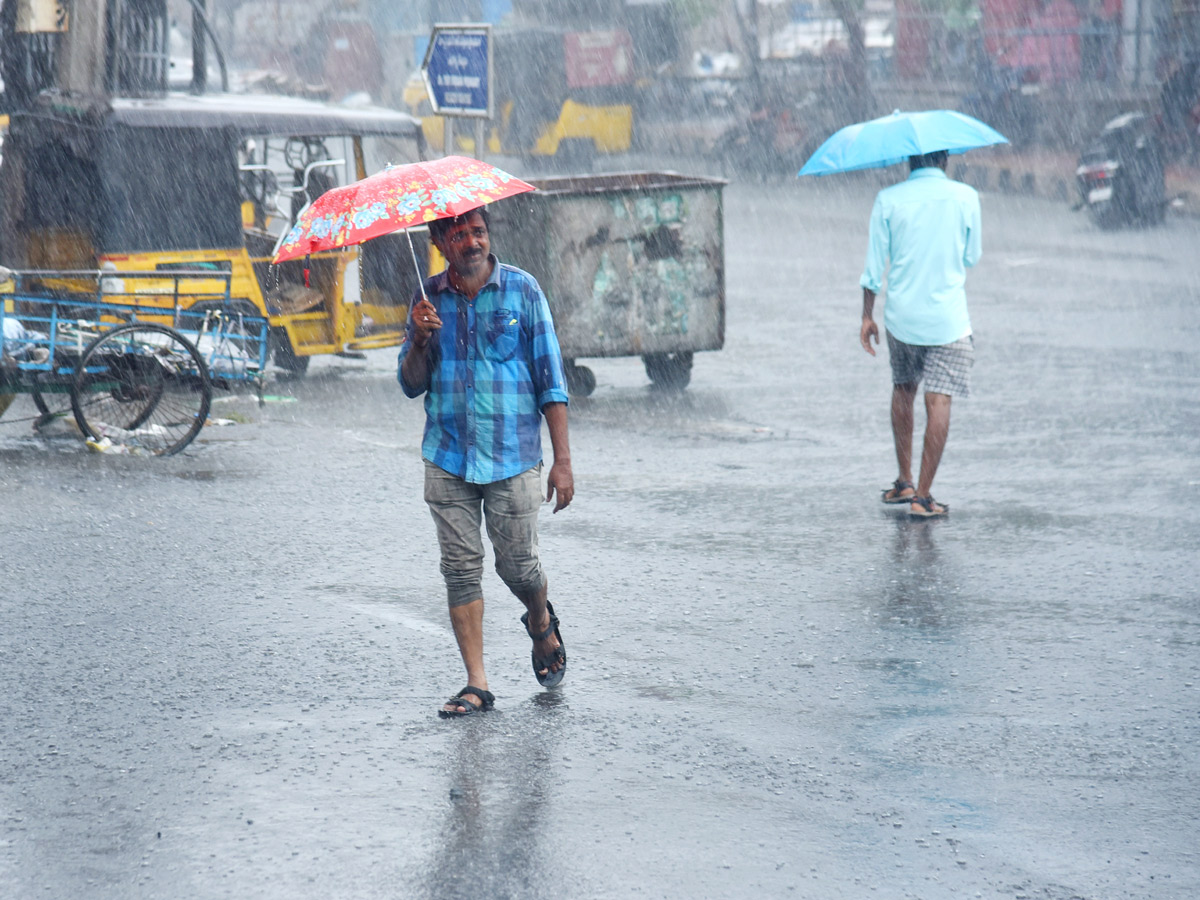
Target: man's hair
x=439, y=227
x=935, y=160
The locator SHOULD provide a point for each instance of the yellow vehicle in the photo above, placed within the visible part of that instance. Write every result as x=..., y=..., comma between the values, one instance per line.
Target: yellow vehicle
x=213, y=183
x=543, y=107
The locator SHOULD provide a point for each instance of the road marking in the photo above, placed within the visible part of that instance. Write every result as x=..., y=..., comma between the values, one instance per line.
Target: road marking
x=394, y=615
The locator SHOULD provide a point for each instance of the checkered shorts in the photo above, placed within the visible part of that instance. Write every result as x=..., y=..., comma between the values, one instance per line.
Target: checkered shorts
x=946, y=368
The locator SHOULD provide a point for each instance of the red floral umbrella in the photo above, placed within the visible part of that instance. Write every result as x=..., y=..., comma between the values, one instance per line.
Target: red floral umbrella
x=394, y=199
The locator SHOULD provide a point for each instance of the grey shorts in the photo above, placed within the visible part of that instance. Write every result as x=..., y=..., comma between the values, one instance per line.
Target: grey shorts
x=510, y=509
x=945, y=369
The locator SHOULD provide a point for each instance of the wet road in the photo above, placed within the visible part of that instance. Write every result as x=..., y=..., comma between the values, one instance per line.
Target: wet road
x=218, y=673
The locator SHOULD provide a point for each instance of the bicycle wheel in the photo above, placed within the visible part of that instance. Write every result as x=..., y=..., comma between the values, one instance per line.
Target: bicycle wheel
x=144, y=386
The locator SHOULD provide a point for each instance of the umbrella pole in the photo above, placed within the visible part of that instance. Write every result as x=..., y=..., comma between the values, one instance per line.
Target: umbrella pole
x=416, y=265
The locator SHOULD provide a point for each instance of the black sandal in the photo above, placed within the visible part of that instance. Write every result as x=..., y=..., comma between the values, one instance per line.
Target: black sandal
x=927, y=504
x=897, y=487
x=486, y=700
x=549, y=678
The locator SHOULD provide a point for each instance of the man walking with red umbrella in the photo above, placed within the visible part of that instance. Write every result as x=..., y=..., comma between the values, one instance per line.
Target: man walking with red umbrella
x=481, y=346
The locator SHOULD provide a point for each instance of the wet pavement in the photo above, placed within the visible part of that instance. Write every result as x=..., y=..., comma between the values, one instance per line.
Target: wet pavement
x=219, y=672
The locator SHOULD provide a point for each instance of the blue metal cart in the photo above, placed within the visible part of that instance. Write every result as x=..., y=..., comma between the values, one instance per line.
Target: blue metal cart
x=130, y=364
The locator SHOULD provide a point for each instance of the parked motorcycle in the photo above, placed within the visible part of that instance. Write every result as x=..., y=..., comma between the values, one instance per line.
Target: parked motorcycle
x=1120, y=174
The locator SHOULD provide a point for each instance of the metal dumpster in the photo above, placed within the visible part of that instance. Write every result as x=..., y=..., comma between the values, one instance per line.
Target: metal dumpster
x=633, y=264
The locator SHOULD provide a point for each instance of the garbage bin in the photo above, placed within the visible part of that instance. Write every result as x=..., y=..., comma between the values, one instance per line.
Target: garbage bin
x=633, y=264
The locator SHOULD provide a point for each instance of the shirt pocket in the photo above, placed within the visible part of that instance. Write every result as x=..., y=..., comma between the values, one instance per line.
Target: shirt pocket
x=503, y=336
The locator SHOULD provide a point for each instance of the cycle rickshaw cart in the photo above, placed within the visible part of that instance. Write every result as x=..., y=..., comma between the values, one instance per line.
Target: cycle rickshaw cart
x=136, y=363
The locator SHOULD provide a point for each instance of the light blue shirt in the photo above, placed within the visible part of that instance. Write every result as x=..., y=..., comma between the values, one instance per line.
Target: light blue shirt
x=929, y=228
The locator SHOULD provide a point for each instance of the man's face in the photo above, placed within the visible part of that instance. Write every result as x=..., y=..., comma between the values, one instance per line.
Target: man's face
x=466, y=245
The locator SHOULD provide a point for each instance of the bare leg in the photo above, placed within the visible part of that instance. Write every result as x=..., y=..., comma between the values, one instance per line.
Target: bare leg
x=468, y=631
x=937, y=429
x=903, y=397
x=539, y=621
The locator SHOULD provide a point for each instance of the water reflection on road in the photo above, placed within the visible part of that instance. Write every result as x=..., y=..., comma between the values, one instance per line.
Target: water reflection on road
x=498, y=782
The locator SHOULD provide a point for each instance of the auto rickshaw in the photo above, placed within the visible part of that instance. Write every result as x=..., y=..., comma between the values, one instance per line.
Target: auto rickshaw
x=210, y=182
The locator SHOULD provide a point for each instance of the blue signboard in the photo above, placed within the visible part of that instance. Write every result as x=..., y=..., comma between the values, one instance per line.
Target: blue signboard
x=458, y=70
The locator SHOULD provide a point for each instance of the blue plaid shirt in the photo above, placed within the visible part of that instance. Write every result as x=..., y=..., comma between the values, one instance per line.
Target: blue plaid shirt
x=494, y=364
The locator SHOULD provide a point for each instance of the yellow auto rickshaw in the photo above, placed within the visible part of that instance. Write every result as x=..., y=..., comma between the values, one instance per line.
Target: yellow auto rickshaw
x=210, y=182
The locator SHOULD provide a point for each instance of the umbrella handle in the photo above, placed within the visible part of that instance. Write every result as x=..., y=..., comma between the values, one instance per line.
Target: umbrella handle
x=283, y=235
x=416, y=265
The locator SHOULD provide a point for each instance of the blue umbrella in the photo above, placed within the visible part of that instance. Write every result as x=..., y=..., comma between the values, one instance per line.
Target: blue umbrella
x=892, y=139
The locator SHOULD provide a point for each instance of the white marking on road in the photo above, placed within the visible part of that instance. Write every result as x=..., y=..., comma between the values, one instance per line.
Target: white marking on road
x=370, y=443
x=394, y=615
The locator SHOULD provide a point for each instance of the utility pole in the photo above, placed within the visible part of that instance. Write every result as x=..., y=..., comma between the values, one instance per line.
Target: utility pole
x=82, y=56
x=199, y=54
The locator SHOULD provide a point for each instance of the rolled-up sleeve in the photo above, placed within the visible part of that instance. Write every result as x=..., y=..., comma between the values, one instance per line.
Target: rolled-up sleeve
x=878, y=250
x=547, y=371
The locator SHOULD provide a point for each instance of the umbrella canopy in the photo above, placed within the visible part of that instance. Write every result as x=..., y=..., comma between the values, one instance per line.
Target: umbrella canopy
x=894, y=138
x=394, y=199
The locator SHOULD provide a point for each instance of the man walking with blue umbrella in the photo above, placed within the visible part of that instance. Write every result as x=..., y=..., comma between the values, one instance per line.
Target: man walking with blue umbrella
x=928, y=229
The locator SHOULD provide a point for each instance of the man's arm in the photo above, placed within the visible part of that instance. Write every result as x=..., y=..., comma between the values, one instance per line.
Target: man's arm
x=878, y=252
x=417, y=365
x=560, y=480
x=550, y=385
x=415, y=370
x=869, y=330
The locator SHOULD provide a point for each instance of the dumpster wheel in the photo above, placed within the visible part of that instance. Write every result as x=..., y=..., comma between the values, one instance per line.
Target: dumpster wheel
x=581, y=381
x=669, y=371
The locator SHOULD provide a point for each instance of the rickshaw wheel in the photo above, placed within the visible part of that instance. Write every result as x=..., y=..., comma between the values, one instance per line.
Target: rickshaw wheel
x=52, y=400
x=287, y=359
x=142, y=385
